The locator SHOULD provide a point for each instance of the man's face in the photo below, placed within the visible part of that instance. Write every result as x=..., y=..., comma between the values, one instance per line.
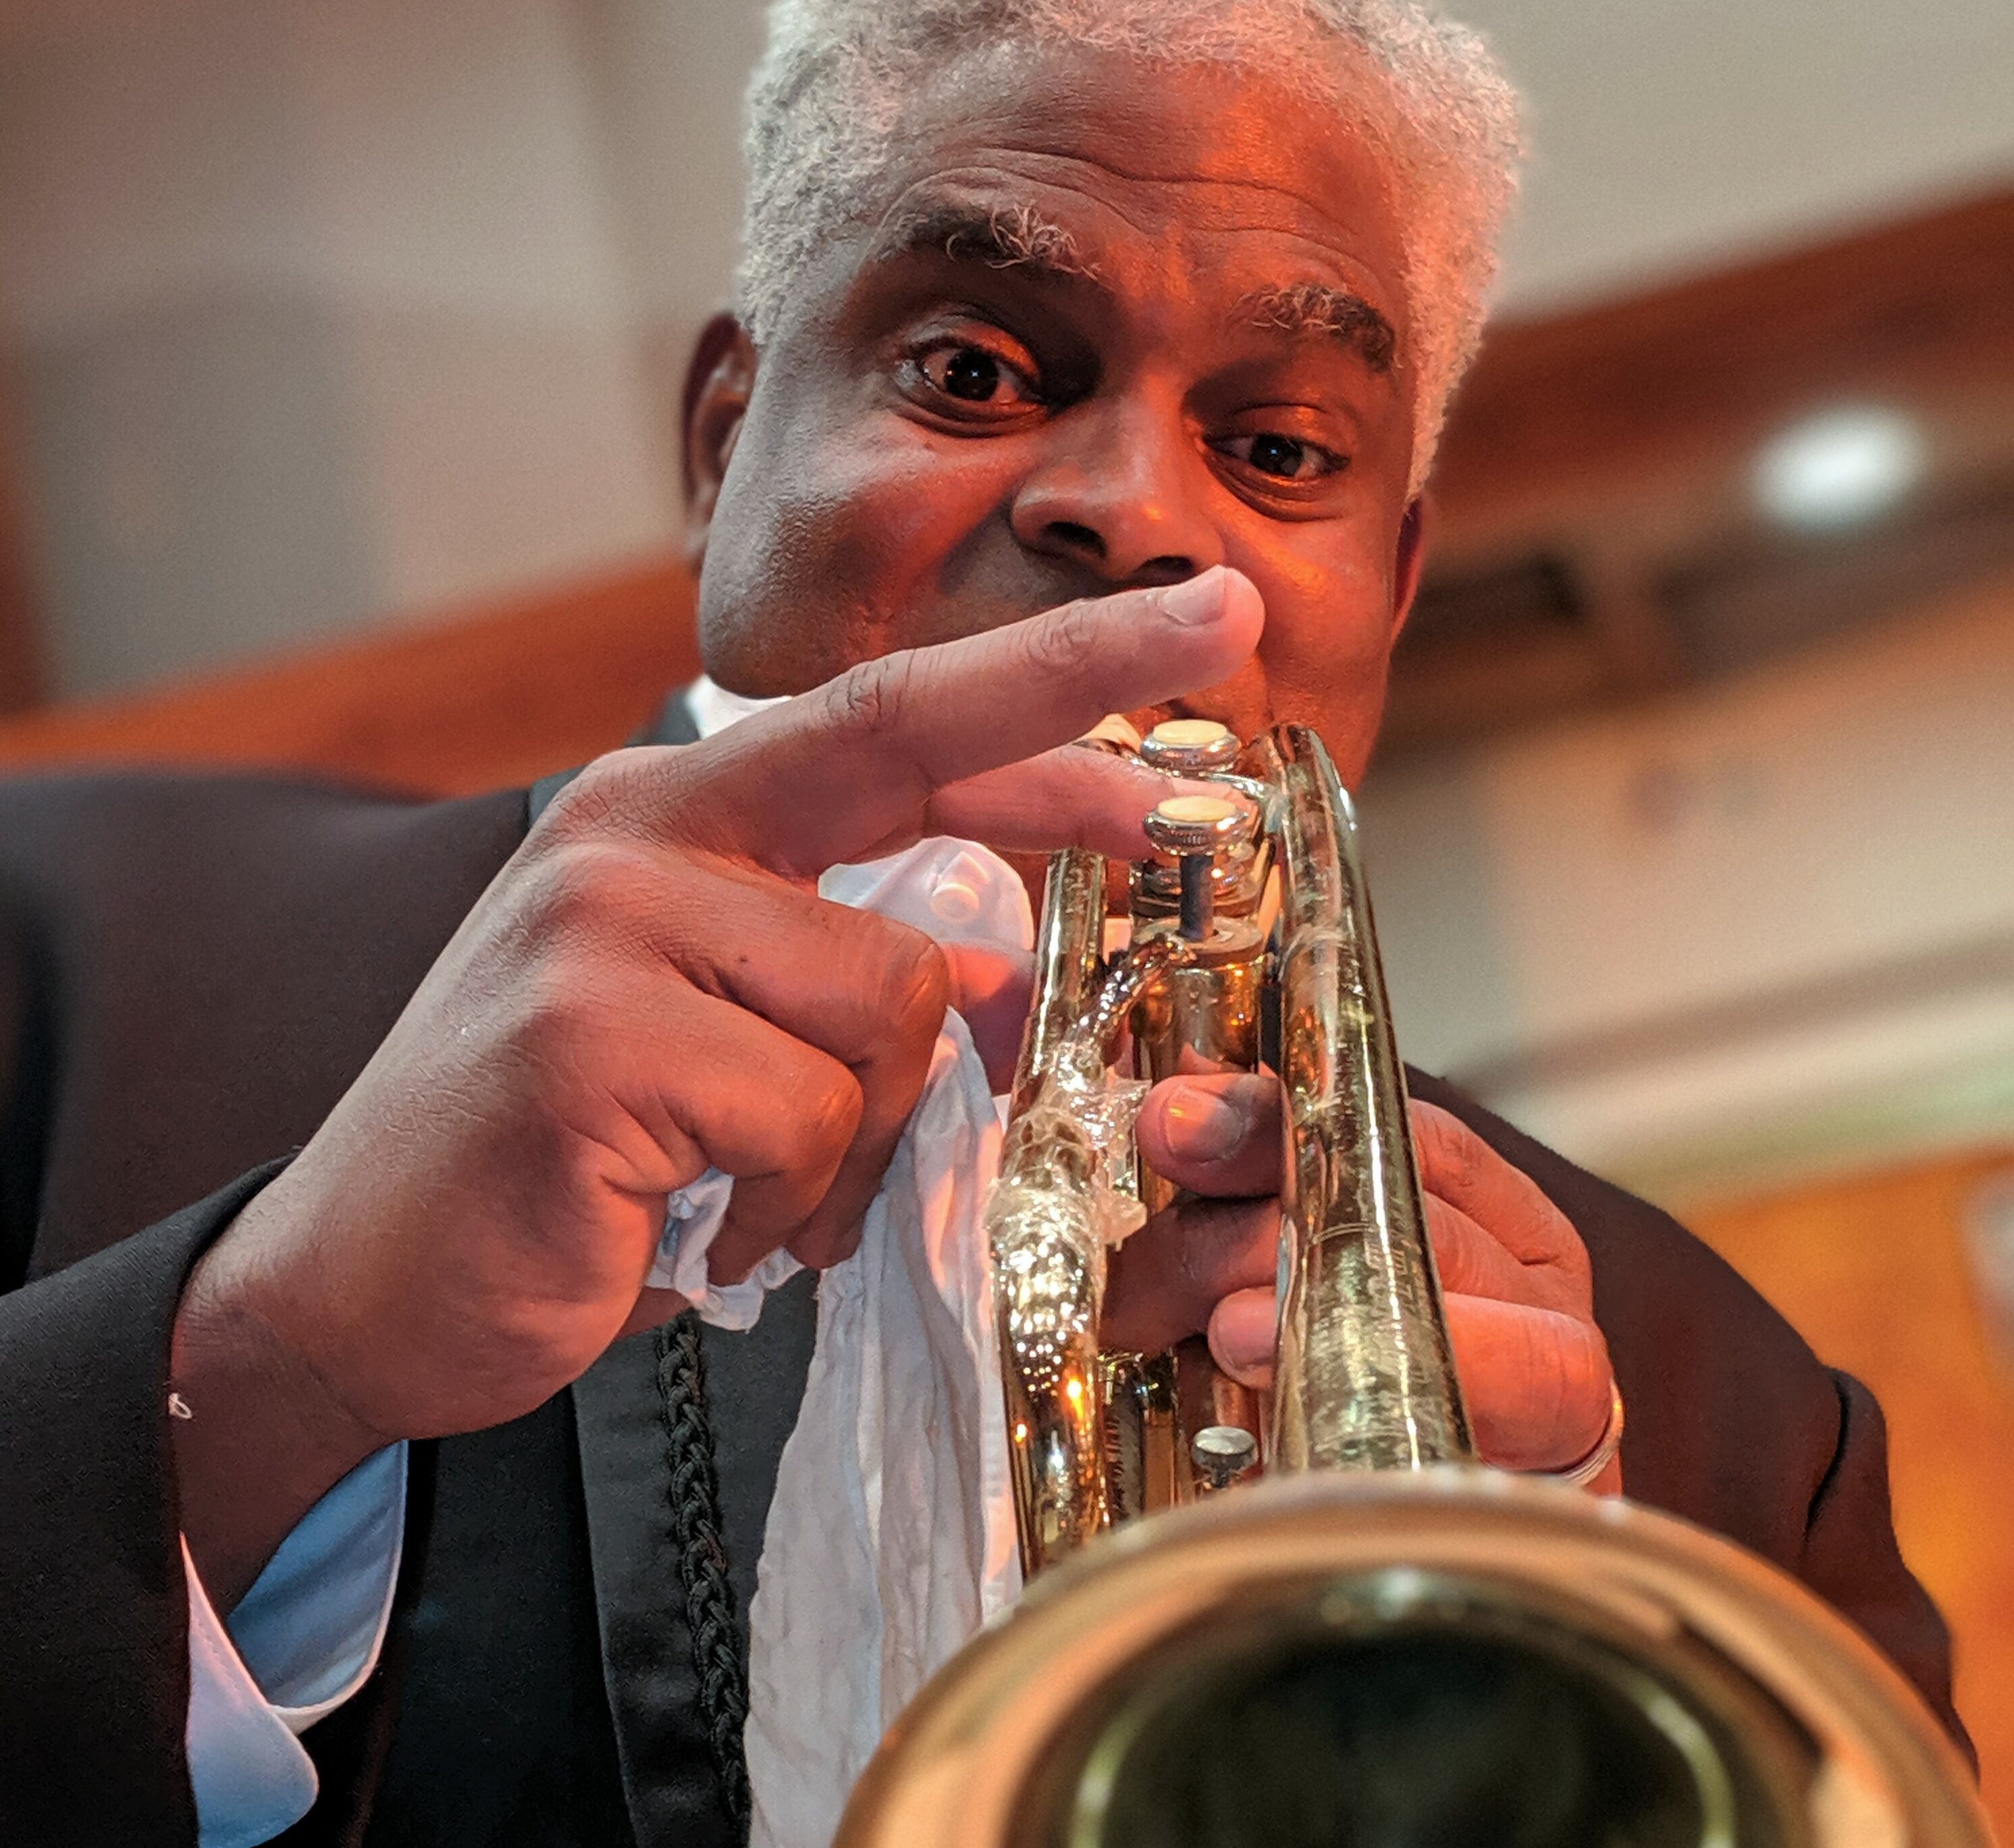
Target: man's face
x=1118, y=322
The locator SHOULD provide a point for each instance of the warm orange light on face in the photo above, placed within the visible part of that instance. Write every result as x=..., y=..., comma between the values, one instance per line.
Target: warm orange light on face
x=1178, y=382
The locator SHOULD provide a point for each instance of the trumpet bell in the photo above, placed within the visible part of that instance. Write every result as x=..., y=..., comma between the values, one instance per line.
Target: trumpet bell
x=1453, y=1658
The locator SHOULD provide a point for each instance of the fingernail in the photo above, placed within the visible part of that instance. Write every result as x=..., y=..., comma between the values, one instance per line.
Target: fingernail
x=1204, y=1125
x=1241, y=1332
x=1197, y=599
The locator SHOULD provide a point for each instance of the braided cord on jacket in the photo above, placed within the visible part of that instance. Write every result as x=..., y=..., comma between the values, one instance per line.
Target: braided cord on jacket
x=719, y=1658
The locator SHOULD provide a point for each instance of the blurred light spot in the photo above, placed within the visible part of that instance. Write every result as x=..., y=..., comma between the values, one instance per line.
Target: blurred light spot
x=1840, y=467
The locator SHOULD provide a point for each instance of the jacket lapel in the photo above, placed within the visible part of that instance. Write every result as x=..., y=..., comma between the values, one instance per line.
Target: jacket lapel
x=668, y=1779
x=754, y=1383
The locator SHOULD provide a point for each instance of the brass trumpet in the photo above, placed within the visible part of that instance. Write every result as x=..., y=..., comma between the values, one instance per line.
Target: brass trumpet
x=1265, y=905
x=1385, y=1644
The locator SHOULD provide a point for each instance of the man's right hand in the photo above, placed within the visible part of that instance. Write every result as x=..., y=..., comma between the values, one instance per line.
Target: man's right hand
x=651, y=986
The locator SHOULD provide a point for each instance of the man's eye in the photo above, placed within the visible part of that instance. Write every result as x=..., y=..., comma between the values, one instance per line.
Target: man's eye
x=974, y=376
x=1285, y=458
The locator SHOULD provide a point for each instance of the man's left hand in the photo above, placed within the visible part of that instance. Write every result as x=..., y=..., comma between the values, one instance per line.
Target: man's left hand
x=1515, y=1275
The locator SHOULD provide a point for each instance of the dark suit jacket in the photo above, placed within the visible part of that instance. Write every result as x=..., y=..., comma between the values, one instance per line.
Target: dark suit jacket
x=191, y=971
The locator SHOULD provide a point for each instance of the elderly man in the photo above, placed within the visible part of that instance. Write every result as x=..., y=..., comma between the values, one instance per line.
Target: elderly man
x=1089, y=358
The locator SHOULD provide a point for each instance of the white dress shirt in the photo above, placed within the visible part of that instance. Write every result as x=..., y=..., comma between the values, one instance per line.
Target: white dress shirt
x=300, y=1643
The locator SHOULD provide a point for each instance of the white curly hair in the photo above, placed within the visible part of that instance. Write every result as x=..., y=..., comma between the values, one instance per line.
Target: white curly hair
x=827, y=100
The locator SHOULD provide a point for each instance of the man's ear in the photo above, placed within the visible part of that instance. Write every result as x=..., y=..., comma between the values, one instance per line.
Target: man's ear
x=718, y=379
x=1412, y=553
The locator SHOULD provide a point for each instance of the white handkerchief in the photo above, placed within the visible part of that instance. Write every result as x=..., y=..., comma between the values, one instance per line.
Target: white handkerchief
x=692, y=1216
x=891, y=1538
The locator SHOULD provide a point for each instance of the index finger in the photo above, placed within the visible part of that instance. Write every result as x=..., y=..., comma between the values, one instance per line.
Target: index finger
x=850, y=770
x=1506, y=1203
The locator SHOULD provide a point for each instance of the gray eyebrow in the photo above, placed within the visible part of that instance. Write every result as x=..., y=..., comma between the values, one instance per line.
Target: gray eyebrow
x=1317, y=308
x=1002, y=237
x=1018, y=237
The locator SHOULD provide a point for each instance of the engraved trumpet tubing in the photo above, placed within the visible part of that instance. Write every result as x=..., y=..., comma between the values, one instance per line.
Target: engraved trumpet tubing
x=1050, y=1216
x=1041, y=1226
x=1364, y=1377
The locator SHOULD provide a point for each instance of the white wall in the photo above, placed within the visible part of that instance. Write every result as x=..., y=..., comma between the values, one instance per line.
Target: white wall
x=1755, y=928
x=315, y=311
x=668, y=77
x=1670, y=138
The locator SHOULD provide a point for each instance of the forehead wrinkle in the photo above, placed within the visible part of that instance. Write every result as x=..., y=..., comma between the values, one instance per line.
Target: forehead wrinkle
x=1312, y=201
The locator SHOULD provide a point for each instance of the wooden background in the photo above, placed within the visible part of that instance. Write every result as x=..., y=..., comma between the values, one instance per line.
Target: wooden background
x=1872, y=1269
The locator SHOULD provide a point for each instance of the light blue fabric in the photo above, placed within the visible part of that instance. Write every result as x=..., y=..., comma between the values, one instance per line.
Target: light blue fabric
x=303, y=1640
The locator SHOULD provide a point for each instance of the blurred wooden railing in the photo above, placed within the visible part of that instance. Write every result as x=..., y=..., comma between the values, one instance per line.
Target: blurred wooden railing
x=475, y=700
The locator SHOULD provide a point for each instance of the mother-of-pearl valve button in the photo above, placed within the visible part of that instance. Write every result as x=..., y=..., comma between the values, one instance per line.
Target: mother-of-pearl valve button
x=1186, y=825
x=1189, y=747
x=1224, y=1454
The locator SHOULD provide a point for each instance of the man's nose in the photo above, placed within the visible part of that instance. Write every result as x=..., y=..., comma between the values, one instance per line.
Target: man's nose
x=1123, y=495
